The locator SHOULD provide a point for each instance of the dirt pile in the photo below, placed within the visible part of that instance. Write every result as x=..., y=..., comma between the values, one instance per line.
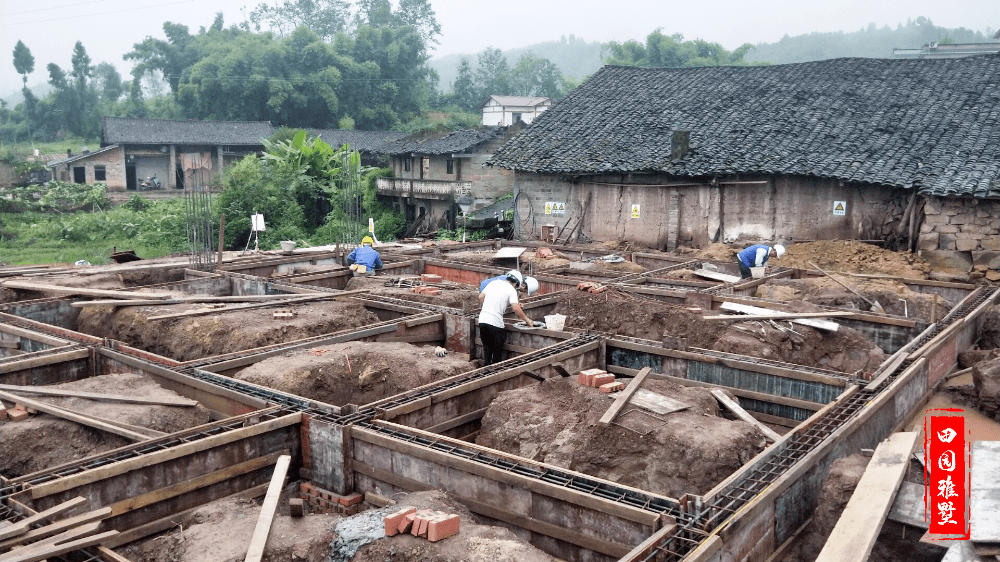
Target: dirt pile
x=453, y=295
x=895, y=297
x=853, y=256
x=473, y=543
x=715, y=251
x=43, y=441
x=354, y=372
x=986, y=382
x=555, y=422
x=220, y=532
x=845, y=350
x=196, y=337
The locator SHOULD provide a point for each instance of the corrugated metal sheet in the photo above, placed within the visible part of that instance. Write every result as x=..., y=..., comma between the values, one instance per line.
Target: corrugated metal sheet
x=761, y=382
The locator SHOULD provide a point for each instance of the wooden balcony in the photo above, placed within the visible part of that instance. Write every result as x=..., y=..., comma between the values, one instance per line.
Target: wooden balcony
x=423, y=189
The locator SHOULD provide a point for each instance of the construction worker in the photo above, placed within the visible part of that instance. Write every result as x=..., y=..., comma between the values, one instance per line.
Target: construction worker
x=530, y=283
x=364, y=259
x=498, y=295
x=756, y=256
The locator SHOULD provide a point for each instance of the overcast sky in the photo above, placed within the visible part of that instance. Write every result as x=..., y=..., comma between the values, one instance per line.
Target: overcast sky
x=109, y=28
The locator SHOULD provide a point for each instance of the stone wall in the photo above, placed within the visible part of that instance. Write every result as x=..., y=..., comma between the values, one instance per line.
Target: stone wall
x=961, y=224
x=678, y=211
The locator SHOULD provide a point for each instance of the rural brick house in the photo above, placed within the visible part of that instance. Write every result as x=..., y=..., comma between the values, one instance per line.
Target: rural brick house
x=434, y=172
x=369, y=143
x=846, y=148
x=507, y=110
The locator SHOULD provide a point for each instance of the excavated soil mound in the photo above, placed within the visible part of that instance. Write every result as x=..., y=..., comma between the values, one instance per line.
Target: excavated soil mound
x=354, y=372
x=845, y=350
x=197, y=337
x=716, y=251
x=453, y=295
x=853, y=257
x=473, y=543
x=220, y=532
x=555, y=422
x=44, y=441
x=895, y=297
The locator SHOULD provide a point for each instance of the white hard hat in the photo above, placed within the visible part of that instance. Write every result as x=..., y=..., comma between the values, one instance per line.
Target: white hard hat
x=779, y=249
x=532, y=284
x=515, y=275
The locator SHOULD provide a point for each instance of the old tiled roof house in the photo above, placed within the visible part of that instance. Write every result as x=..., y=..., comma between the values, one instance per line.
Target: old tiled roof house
x=844, y=148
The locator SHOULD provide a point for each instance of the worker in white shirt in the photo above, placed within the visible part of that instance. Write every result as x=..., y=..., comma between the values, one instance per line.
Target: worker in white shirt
x=496, y=298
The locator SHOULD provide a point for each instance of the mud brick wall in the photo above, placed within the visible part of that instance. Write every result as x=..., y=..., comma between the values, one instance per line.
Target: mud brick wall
x=963, y=224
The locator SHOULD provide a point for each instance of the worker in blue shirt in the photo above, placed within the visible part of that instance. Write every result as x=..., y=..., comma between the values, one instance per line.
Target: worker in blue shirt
x=756, y=256
x=364, y=258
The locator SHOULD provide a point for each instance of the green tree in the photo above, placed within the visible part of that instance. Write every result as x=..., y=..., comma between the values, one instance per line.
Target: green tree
x=326, y=18
x=24, y=62
x=466, y=93
x=533, y=76
x=172, y=56
x=109, y=82
x=661, y=50
x=493, y=74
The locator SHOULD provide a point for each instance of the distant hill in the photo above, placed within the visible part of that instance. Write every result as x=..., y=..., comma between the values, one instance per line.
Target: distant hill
x=574, y=56
x=870, y=42
x=15, y=97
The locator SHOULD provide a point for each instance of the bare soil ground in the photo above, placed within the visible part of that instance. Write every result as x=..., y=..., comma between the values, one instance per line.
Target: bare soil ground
x=846, y=350
x=196, y=337
x=43, y=441
x=555, y=421
x=220, y=531
x=474, y=542
x=453, y=295
x=354, y=372
x=895, y=297
x=893, y=543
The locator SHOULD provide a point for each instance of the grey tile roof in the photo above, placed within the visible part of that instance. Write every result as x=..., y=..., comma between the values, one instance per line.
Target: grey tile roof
x=930, y=124
x=519, y=101
x=364, y=141
x=75, y=157
x=130, y=130
x=450, y=143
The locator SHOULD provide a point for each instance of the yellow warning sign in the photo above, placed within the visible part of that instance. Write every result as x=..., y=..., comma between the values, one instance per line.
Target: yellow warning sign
x=635, y=211
x=548, y=207
x=839, y=208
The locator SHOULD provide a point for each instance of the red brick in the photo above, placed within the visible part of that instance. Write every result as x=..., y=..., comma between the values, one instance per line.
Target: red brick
x=430, y=278
x=3, y=413
x=612, y=387
x=352, y=499
x=420, y=523
x=393, y=519
x=433, y=291
x=17, y=415
x=406, y=522
x=599, y=380
x=586, y=377
x=442, y=527
x=306, y=488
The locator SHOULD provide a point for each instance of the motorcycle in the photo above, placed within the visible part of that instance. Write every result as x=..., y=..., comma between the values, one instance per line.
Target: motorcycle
x=150, y=183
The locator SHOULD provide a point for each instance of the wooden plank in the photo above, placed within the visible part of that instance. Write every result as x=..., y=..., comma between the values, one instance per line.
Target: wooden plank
x=780, y=316
x=135, y=463
x=642, y=551
x=762, y=396
x=183, y=300
x=45, y=391
x=10, y=344
x=256, y=550
x=56, y=550
x=480, y=469
x=735, y=408
x=30, y=362
x=859, y=525
x=289, y=300
x=411, y=322
x=623, y=397
x=747, y=309
x=656, y=402
x=162, y=494
x=858, y=314
x=75, y=417
x=81, y=291
x=779, y=554
x=938, y=339
x=23, y=525
x=33, y=336
x=544, y=528
x=57, y=527
x=417, y=338
x=909, y=506
x=170, y=521
x=894, y=362
x=457, y=421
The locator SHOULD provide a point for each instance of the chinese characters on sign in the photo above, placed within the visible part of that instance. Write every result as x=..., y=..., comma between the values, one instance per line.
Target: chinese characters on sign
x=555, y=208
x=947, y=468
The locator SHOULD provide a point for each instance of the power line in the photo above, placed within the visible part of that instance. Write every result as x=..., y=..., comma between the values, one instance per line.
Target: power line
x=54, y=7
x=97, y=14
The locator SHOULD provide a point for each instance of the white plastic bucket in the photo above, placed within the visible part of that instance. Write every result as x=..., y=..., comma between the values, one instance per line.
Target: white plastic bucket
x=555, y=322
x=757, y=272
x=287, y=245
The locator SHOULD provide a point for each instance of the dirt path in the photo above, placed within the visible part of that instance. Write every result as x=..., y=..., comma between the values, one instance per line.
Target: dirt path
x=196, y=337
x=555, y=422
x=354, y=372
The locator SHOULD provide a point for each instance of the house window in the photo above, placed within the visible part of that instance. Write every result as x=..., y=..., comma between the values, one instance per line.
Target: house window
x=516, y=118
x=451, y=166
x=100, y=174
x=406, y=164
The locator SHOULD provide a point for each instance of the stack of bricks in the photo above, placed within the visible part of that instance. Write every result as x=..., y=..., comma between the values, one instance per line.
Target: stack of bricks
x=19, y=413
x=430, y=278
x=427, y=291
x=600, y=379
x=323, y=501
x=430, y=524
